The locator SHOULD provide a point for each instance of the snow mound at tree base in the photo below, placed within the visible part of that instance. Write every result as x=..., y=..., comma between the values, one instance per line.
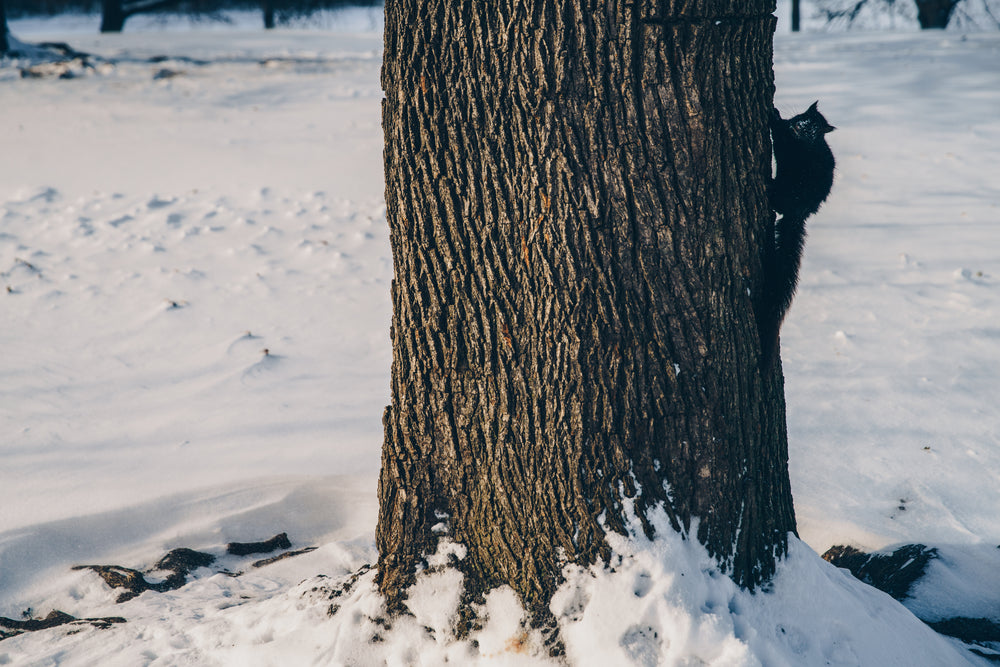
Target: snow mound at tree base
x=660, y=602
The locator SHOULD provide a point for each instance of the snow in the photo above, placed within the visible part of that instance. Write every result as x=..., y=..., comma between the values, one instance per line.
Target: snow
x=883, y=15
x=157, y=235
x=342, y=20
x=890, y=347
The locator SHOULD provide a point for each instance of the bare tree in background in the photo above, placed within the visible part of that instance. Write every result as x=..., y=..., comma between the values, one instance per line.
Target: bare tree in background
x=930, y=14
x=114, y=13
x=935, y=13
x=267, y=8
x=577, y=200
x=4, y=45
x=277, y=12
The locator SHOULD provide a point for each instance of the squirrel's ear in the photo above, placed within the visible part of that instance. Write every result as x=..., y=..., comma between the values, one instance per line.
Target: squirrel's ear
x=814, y=106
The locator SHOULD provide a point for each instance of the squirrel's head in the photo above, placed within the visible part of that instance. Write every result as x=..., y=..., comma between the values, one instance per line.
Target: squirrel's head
x=810, y=125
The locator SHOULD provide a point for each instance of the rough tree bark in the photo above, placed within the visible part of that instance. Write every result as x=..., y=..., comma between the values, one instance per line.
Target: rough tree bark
x=577, y=201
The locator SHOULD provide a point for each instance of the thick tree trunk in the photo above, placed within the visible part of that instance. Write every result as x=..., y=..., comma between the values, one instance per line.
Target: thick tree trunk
x=934, y=13
x=112, y=16
x=577, y=200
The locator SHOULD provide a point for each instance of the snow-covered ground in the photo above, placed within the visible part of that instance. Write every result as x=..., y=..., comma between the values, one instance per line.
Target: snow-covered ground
x=194, y=280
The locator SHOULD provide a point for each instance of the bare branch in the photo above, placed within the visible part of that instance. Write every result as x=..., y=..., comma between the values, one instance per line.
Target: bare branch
x=847, y=14
x=140, y=6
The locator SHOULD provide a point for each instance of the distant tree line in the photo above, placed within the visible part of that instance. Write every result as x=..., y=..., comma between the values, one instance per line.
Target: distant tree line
x=114, y=13
x=931, y=14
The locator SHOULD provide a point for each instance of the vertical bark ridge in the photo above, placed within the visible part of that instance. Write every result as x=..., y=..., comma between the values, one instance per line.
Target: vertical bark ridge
x=574, y=192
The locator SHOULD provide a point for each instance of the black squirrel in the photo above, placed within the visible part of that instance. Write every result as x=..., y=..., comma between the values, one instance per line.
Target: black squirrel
x=802, y=182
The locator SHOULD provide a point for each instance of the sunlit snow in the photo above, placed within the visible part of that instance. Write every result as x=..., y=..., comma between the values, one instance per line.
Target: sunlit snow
x=194, y=277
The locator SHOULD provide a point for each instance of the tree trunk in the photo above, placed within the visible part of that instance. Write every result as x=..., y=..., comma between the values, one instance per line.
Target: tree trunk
x=796, y=15
x=934, y=13
x=577, y=198
x=112, y=16
x=116, y=12
x=4, y=46
x=267, y=7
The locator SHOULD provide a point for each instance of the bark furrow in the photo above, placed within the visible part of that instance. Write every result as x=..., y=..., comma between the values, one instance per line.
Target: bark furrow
x=575, y=192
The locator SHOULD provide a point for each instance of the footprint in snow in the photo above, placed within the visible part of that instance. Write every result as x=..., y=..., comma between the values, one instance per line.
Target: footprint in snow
x=47, y=195
x=642, y=585
x=643, y=645
x=157, y=203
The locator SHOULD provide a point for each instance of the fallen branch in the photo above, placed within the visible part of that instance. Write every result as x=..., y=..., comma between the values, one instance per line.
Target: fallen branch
x=279, y=541
x=11, y=628
x=287, y=554
x=893, y=573
x=178, y=562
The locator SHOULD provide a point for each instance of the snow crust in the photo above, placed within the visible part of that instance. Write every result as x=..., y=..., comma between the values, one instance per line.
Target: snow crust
x=157, y=235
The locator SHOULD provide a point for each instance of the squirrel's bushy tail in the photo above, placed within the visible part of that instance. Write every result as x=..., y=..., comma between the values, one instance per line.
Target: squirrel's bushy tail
x=781, y=275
